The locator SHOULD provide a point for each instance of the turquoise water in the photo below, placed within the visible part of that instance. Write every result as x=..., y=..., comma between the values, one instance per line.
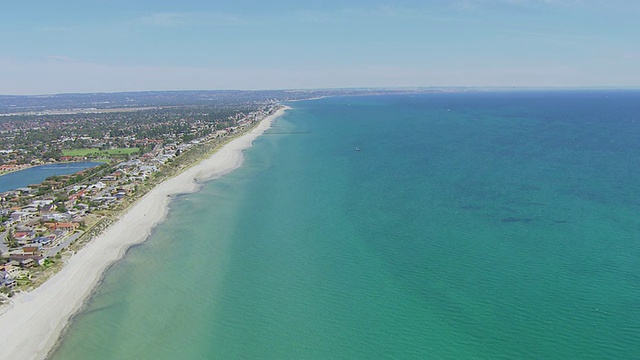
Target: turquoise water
x=469, y=226
x=38, y=174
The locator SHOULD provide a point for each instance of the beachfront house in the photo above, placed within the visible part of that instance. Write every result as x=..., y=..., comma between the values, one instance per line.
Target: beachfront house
x=6, y=280
x=69, y=226
x=29, y=263
x=13, y=271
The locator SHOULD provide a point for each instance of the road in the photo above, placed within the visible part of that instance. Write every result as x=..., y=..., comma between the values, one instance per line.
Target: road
x=65, y=243
x=3, y=245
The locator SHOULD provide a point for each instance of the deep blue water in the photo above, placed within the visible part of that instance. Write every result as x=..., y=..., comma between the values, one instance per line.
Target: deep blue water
x=469, y=226
x=38, y=174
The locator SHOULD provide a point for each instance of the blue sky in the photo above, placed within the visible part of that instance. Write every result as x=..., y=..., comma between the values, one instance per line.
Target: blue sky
x=90, y=46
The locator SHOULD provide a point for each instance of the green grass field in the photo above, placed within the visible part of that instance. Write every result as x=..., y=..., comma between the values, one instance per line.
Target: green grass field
x=109, y=152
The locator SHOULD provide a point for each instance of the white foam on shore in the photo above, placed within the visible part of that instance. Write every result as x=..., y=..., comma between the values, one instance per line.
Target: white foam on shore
x=32, y=324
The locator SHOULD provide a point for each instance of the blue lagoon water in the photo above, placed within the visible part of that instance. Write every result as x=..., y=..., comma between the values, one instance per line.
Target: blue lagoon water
x=469, y=226
x=38, y=174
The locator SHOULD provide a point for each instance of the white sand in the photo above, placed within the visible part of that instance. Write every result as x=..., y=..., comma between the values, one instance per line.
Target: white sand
x=31, y=326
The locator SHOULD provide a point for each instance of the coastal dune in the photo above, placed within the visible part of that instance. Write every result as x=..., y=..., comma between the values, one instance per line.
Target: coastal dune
x=34, y=321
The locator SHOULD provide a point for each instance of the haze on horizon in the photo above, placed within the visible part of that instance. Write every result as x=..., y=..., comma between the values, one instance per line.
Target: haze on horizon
x=77, y=46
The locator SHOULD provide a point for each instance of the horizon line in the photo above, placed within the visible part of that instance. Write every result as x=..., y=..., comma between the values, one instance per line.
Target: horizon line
x=396, y=88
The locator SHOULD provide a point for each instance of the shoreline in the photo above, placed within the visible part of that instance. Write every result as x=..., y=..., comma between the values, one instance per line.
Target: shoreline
x=34, y=321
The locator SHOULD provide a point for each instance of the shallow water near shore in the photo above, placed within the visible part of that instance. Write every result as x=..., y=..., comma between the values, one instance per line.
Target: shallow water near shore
x=468, y=226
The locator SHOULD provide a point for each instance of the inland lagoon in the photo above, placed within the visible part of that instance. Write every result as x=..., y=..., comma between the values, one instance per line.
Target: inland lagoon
x=37, y=174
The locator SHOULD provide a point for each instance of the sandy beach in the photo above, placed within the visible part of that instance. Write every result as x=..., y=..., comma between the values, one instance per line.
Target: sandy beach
x=34, y=321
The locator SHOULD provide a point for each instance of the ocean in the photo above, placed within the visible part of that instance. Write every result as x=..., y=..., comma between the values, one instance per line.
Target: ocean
x=480, y=225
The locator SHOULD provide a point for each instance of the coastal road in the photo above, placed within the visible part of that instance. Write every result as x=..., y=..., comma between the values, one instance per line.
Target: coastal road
x=65, y=243
x=3, y=245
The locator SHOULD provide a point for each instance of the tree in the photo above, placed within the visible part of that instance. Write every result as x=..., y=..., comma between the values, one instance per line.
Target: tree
x=11, y=239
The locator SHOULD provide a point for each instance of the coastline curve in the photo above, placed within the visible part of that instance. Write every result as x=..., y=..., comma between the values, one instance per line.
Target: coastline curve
x=35, y=320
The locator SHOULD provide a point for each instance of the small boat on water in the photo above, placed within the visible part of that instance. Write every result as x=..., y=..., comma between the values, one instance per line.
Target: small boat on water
x=357, y=148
